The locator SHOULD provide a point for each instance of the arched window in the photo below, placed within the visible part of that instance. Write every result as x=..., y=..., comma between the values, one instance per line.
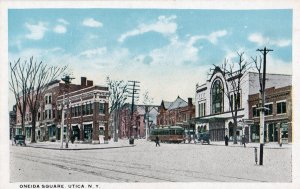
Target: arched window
x=217, y=97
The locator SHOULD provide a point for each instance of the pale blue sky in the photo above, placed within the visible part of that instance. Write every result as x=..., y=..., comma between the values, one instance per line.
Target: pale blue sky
x=169, y=51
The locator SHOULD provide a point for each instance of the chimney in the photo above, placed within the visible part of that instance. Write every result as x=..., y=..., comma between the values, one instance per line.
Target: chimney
x=83, y=81
x=190, y=102
x=89, y=83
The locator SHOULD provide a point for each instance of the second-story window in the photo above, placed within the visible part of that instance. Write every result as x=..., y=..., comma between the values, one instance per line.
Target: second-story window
x=269, y=110
x=217, y=97
x=101, y=108
x=201, y=109
x=255, y=111
x=50, y=99
x=281, y=107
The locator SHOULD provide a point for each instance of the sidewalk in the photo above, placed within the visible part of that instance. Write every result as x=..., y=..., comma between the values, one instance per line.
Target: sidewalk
x=270, y=145
x=79, y=146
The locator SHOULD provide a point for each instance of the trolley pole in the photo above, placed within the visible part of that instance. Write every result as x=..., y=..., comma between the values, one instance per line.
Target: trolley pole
x=262, y=108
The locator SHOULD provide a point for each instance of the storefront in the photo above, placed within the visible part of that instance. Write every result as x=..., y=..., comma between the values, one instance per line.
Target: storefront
x=52, y=132
x=87, y=132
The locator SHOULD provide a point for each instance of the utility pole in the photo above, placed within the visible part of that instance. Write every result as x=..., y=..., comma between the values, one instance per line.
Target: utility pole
x=262, y=107
x=133, y=93
x=67, y=79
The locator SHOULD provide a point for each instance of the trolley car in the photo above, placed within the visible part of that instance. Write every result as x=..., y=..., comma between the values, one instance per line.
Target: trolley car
x=173, y=134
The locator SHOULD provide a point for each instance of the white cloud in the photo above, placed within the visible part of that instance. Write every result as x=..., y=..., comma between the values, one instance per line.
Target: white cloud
x=60, y=29
x=63, y=21
x=36, y=31
x=164, y=25
x=176, y=53
x=212, y=37
x=278, y=66
x=91, y=53
x=91, y=22
x=261, y=40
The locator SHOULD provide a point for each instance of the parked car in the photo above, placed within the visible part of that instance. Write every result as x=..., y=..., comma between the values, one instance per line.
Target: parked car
x=19, y=140
x=203, y=138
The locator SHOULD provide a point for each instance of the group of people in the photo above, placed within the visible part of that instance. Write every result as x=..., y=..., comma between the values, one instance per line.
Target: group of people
x=243, y=140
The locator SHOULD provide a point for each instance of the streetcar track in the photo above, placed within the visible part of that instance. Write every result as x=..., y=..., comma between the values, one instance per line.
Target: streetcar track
x=94, y=167
x=178, y=172
x=185, y=173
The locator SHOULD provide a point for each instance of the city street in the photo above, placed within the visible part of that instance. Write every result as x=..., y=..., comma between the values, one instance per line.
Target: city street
x=147, y=163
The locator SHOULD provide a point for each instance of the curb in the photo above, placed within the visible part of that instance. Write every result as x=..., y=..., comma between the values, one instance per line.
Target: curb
x=241, y=146
x=75, y=149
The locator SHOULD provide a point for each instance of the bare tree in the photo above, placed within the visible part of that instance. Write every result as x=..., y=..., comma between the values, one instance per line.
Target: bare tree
x=146, y=98
x=36, y=78
x=233, y=75
x=19, y=76
x=117, y=96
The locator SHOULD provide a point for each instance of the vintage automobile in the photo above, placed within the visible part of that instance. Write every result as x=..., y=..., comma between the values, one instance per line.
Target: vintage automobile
x=19, y=140
x=203, y=138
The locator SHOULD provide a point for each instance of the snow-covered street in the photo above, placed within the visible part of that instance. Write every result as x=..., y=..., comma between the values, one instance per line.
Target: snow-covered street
x=147, y=163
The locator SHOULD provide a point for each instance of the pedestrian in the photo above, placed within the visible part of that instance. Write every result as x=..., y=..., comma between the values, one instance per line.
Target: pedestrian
x=244, y=141
x=226, y=140
x=157, y=141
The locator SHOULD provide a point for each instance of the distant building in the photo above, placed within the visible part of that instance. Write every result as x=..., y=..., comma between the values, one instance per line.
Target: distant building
x=212, y=106
x=12, y=122
x=143, y=116
x=178, y=112
x=278, y=117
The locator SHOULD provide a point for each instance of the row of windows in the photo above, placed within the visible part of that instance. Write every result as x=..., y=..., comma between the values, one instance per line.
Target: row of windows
x=86, y=109
x=280, y=109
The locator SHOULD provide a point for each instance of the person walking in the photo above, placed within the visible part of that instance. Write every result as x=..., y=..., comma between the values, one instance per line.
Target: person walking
x=226, y=140
x=244, y=141
x=157, y=141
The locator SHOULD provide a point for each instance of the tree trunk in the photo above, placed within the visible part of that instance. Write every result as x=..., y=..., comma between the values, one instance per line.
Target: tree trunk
x=234, y=131
x=23, y=124
x=33, y=129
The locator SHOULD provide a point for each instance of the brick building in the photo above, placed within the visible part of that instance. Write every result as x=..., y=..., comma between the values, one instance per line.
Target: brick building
x=178, y=112
x=278, y=117
x=12, y=122
x=82, y=100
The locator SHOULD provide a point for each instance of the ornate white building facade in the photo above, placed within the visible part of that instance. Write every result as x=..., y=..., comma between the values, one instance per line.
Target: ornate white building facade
x=213, y=107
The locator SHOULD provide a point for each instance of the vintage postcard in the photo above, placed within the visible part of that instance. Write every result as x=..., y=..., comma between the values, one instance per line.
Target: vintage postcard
x=134, y=94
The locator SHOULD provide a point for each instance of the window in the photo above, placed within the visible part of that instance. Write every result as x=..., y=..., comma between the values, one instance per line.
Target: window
x=201, y=109
x=217, y=97
x=281, y=107
x=49, y=114
x=53, y=113
x=87, y=109
x=92, y=108
x=49, y=99
x=255, y=111
x=83, y=109
x=235, y=99
x=269, y=110
x=76, y=111
x=101, y=108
